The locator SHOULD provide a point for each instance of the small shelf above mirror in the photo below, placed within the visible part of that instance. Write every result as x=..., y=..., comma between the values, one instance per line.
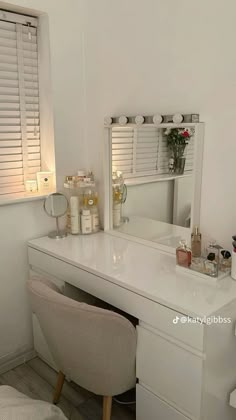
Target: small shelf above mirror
x=155, y=178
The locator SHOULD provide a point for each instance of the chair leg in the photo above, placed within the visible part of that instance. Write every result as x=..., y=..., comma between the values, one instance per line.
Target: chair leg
x=59, y=385
x=107, y=403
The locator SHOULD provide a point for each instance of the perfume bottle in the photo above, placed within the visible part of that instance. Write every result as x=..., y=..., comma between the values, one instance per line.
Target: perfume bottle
x=211, y=265
x=213, y=248
x=183, y=254
x=196, y=242
x=197, y=264
x=225, y=261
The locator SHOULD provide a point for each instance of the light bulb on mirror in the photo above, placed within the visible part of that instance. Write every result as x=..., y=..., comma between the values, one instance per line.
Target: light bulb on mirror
x=123, y=120
x=178, y=118
x=139, y=120
x=157, y=119
x=107, y=121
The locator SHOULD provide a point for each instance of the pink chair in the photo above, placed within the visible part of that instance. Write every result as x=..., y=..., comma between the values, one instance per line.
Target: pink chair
x=94, y=347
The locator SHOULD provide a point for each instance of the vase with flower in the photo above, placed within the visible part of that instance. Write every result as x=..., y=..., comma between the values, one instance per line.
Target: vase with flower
x=177, y=140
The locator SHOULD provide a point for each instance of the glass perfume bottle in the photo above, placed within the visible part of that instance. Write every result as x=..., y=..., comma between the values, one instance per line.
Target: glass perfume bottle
x=183, y=254
x=225, y=261
x=213, y=248
x=211, y=265
x=196, y=242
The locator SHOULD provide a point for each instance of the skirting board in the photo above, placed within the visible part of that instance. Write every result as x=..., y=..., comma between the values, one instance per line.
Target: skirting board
x=16, y=361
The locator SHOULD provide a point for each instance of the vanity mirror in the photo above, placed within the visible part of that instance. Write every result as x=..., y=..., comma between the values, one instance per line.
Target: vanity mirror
x=160, y=163
x=56, y=205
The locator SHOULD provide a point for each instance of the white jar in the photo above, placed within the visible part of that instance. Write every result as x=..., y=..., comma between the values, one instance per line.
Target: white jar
x=86, y=222
x=74, y=215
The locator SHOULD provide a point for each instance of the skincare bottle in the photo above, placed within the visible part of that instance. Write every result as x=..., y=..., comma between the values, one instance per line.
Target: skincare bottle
x=211, y=265
x=183, y=254
x=116, y=214
x=86, y=222
x=196, y=242
x=117, y=206
x=95, y=219
x=89, y=199
x=74, y=215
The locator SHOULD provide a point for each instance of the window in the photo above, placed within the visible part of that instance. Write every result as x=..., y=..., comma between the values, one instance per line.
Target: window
x=19, y=102
x=142, y=152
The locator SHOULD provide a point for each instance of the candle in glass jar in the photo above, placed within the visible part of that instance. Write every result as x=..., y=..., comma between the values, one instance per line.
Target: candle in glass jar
x=31, y=186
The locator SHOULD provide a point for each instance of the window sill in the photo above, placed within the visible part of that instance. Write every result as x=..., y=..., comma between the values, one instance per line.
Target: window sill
x=22, y=198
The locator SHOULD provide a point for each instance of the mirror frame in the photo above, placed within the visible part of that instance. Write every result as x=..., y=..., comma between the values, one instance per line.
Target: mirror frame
x=58, y=233
x=44, y=204
x=197, y=177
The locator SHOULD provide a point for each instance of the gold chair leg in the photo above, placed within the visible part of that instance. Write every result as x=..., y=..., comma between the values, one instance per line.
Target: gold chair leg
x=59, y=385
x=107, y=403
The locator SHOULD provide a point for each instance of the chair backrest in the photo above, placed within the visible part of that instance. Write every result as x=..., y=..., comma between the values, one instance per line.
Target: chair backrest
x=94, y=347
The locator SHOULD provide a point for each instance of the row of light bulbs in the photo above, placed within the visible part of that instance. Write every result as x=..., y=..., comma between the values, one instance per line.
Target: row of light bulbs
x=139, y=119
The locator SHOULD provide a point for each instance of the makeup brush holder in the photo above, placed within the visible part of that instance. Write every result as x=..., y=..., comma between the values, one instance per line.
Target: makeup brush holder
x=233, y=267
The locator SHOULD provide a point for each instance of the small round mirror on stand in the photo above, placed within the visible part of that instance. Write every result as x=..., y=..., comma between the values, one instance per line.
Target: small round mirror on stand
x=56, y=205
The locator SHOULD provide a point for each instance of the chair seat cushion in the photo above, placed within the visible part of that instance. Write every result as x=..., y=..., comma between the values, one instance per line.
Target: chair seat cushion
x=16, y=406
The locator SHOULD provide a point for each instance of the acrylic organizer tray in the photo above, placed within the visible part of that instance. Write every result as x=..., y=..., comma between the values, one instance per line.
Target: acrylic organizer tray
x=191, y=271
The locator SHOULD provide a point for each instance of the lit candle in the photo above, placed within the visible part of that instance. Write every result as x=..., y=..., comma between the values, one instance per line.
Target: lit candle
x=31, y=186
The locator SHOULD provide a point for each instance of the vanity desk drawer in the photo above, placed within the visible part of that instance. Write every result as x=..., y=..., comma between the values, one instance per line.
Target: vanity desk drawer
x=170, y=371
x=168, y=322
x=149, y=404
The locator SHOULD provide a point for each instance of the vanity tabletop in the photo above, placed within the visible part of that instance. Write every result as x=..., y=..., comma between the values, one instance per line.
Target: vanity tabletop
x=141, y=269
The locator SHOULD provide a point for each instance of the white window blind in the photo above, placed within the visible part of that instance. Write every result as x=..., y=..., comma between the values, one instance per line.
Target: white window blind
x=142, y=151
x=189, y=154
x=135, y=150
x=19, y=103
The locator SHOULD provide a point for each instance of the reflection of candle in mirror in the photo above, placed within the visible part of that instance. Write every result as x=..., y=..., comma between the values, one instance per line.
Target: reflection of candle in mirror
x=31, y=186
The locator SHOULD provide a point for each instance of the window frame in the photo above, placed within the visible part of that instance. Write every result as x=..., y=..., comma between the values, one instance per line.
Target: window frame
x=45, y=102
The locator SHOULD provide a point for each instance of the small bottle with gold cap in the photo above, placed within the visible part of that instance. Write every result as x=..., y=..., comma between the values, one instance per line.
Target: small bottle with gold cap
x=196, y=243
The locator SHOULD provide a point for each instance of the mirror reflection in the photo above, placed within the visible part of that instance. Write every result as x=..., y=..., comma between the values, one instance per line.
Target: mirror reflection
x=56, y=205
x=152, y=180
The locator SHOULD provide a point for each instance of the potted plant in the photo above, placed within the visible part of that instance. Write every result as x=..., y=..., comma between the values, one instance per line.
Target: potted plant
x=177, y=140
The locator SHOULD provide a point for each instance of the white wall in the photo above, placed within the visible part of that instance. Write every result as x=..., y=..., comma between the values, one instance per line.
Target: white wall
x=167, y=56
x=183, y=193
x=21, y=222
x=165, y=201
x=138, y=56
x=18, y=224
x=153, y=201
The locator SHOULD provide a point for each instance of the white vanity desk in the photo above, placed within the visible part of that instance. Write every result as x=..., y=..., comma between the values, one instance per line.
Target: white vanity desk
x=184, y=371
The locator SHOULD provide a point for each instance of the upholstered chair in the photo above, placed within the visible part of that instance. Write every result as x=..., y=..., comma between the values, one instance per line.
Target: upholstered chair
x=94, y=347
